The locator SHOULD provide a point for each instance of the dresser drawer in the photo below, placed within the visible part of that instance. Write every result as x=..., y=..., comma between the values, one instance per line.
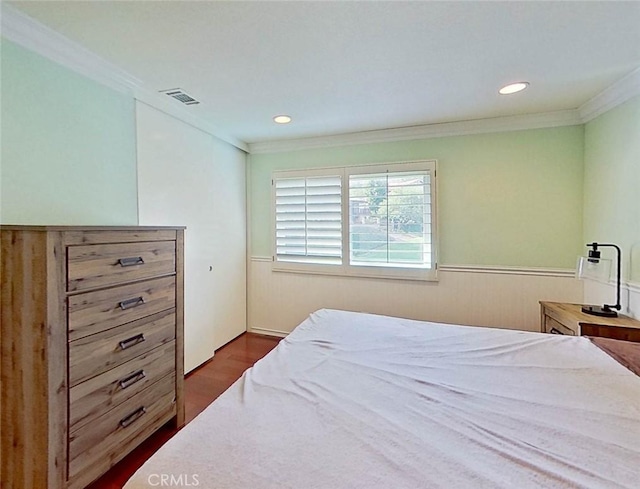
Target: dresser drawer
x=102, y=265
x=95, y=354
x=103, y=439
x=93, y=312
x=98, y=395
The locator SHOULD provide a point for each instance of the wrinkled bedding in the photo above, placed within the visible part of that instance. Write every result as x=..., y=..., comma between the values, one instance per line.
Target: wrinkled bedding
x=352, y=400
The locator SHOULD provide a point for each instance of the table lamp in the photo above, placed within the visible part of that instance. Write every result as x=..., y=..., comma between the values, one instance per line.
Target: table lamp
x=597, y=268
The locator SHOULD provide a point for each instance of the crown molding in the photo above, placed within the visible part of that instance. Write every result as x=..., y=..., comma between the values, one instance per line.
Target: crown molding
x=614, y=95
x=460, y=128
x=618, y=93
x=21, y=29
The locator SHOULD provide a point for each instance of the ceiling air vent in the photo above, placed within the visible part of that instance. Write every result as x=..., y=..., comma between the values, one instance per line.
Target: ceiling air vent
x=180, y=96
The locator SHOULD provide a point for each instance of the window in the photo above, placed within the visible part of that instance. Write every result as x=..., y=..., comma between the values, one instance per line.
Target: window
x=376, y=220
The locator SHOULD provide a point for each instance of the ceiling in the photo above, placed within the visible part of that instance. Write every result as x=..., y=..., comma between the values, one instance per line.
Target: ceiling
x=341, y=67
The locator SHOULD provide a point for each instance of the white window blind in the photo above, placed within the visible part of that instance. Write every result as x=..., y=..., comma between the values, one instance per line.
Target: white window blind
x=390, y=221
x=369, y=221
x=309, y=219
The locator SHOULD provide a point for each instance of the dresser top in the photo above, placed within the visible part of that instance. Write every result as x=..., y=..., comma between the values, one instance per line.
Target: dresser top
x=20, y=227
x=575, y=314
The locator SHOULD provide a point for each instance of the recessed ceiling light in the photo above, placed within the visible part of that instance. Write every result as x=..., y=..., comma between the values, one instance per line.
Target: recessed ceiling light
x=513, y=88
x=282, y=119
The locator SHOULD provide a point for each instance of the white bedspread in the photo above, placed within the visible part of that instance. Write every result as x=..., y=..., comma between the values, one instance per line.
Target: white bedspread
x=362, y=401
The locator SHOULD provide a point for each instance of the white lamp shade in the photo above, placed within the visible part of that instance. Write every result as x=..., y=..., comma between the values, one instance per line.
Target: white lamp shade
x=593, y=269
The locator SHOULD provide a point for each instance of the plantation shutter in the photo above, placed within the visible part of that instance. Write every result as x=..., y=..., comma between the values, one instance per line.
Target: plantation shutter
x=390, y=221
x=309, y=219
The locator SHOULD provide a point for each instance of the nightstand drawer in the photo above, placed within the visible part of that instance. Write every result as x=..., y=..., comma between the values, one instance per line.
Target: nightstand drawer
x=90, y=399
x=93, y=312
x=614, y=332
x=570, y=319
x=103, y=438
x=95, y=354
x=554, y=327
x=94, y=266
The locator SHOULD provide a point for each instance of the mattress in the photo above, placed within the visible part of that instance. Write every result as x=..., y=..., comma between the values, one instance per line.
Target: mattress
x=352, y=400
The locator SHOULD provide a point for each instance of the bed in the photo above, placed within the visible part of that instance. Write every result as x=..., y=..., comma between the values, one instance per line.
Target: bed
x=351, y=400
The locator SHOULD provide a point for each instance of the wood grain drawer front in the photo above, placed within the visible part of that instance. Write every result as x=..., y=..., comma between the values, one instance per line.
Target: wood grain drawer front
x=93, y=266
x=93, y=312
x=553, y=326
x=614, y=332
x=104, y=437
x=92, y=355
x=95, y=354
x=98, y=395
x=90, y=236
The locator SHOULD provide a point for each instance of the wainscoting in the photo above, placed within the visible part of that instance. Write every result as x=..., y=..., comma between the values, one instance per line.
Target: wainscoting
x=480, y=296
x=599, y=293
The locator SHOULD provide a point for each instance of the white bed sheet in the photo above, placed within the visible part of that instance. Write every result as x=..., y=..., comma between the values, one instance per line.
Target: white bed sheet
x=353, y=400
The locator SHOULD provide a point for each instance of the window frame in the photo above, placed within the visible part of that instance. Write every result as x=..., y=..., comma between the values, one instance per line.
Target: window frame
x=346, y=269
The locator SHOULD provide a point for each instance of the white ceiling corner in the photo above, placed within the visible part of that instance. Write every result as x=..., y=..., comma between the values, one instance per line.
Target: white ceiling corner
x=612, y=96
x=23, y=30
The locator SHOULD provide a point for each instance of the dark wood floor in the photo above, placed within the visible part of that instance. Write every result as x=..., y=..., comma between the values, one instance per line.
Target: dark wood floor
x=202, y=386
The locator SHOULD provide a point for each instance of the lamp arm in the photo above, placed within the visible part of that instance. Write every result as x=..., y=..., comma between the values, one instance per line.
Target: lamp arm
x=617, y=306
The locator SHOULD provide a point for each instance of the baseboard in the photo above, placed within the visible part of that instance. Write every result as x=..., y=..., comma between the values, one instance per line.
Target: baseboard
x=268, y=332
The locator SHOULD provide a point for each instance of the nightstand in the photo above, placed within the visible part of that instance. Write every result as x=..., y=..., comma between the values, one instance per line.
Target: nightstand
x=563, y=318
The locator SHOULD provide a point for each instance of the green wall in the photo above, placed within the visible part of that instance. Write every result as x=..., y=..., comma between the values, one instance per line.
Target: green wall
x=612, y=182
x=505, y=199
x=68, y=145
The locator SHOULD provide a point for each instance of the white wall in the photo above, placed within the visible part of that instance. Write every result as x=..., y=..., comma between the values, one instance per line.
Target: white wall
x=189, y=178
x=502, y=298
x=611, y=203
x=598, y=293
x=67, y=149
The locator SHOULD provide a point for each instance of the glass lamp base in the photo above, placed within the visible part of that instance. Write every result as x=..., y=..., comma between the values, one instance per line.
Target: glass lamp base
x=600, y=311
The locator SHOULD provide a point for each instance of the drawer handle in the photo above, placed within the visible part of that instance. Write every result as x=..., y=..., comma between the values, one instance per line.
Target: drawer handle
x=129, y=262
x=132, y=379
x=129, y=303
x=134, y=416
x=555, y=331
x=134, y=340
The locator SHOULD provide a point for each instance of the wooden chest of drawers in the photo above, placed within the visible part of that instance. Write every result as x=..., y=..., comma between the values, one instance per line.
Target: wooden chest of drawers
x=92, y=348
